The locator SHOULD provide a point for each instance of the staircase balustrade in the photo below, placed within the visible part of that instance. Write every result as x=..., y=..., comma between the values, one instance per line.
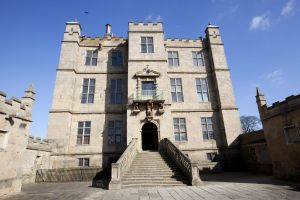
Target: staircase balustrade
x=124, y=162
x=182, y=161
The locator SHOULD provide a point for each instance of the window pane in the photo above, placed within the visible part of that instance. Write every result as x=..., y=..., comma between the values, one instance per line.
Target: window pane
x=94, y=61
x=111, y=139
x=179, y=89
x=205, y=97
x=111, y=124
x=91, y=98
x=87, y=124
x=80, y=162
x=195, y=62
x=209, y=127
x=176, y=128
x=83, y=98
x=85, y=82
x=79, y=139
x=205, y=136
x=177, y=136
x=174, y=97
x=118, y=98
x=204, y=128
x=150, y=40
x=183, y=136
x=170, y=61
x=176, y=62
x=95, y=54
x=150, y=48
x=181, y=120
x=143, y=40
x=87, y=60
x=144, y=48
x=176, y=120
x=87, y=131
x=84, y=89
x=182, y=128
x=118, y=139
x=86, y=139
x=180, y=97
x=178, y=81
x=203, y=120
x=79, y=131
x=208, y=120
x=172, y=80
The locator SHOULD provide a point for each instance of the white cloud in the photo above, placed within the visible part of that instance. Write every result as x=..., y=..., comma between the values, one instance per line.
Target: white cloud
x=153, y=18
x=275, y=77
x=288, y=8
x=261, y=22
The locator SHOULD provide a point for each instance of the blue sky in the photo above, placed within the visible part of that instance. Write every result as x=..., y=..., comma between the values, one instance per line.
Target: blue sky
x=262, y=41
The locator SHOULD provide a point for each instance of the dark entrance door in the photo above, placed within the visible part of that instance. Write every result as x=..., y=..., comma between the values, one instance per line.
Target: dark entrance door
x=149, y=137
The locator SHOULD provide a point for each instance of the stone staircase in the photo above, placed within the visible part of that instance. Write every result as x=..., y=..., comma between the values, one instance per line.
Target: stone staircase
x=150, y=169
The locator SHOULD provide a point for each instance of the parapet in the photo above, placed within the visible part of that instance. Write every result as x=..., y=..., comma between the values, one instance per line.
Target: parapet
x=39, y=144
x=104, y=41
x=290, y=104
x=14, y=108
x=145, y=27
x=184, y=42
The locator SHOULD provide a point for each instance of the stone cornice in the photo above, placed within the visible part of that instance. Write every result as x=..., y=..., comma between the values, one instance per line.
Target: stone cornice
x=91, y=72
x=147, y=60
x=87, y=112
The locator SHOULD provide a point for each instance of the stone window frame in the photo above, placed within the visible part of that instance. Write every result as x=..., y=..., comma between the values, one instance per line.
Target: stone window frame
x=287, y=137
x=197, y=60
x=179, y=125
x=116, y=91
x=117, y=54
x=83, y=162
x=91, y=57
x=207, y=128
x=172, y=57
x=88, y=90
x=83, y=132
x=201, y=90
x=176, y=90
x=114, y=132
x=146, y=44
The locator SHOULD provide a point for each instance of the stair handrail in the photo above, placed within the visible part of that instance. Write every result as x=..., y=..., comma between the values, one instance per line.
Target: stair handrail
x=189, y=168
x=123, y=163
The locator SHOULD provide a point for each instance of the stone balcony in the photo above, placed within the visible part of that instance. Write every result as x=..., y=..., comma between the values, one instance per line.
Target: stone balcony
x=156, y=96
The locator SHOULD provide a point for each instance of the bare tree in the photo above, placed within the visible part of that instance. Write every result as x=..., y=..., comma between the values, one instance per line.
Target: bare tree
x=250, y=123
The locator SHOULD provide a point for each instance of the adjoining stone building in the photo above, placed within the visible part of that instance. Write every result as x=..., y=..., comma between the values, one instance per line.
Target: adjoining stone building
x=281, y=123
x=109, y=90
x=15, y=120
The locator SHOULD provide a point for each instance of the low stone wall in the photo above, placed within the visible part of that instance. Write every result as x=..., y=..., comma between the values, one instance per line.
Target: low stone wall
x=255, y=153
x=66, y=175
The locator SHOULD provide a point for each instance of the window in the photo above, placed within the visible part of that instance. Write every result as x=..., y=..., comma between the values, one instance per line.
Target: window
x=91, y=57
x=292, y=134
x=176, y=90
x=147, y=45
x=116, y=58
x=207, y=128
x=211, y=156
x=88, y=90
x=116, y=91
x=173, y=58
x=83, y=132
x=198, y=58
x=84, y=162
x=202, y=89
x=114, y=132
x=179, y=129
x=148, y=88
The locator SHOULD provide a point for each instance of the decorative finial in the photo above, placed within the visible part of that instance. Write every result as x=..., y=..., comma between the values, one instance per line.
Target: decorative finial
x=258, y=92
x=30, y=88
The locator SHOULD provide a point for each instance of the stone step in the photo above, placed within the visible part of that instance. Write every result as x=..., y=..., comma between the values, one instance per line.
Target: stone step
x=153, y=176
x=153, y=179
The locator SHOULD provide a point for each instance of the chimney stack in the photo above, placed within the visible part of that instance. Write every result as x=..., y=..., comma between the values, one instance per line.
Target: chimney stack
x=108, y=30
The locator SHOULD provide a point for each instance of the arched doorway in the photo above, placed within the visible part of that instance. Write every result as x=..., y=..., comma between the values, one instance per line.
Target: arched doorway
x=149, y=136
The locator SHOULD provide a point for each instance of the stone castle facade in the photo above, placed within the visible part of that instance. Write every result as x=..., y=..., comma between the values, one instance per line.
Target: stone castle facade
x=109, y=90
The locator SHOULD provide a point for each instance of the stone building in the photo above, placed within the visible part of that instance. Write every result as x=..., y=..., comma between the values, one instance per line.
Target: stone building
x=109, y=90
x=15, y=120
x=281, y=123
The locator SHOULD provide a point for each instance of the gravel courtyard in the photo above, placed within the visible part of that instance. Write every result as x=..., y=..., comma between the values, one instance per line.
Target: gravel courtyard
x=223, y=186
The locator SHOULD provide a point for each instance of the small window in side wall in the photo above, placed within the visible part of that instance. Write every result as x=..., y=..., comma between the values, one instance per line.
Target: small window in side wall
x=116, y=58
x=83, y=162
x=292, y=134
x=198, y=58
x=202, y=89
x=147, y=45
x=211, y=156
x=83, y=132
x=207, y=128
x=88, y=90
x=91, y=57
x=116, y=91
x=173, y=58
x=114, y=132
